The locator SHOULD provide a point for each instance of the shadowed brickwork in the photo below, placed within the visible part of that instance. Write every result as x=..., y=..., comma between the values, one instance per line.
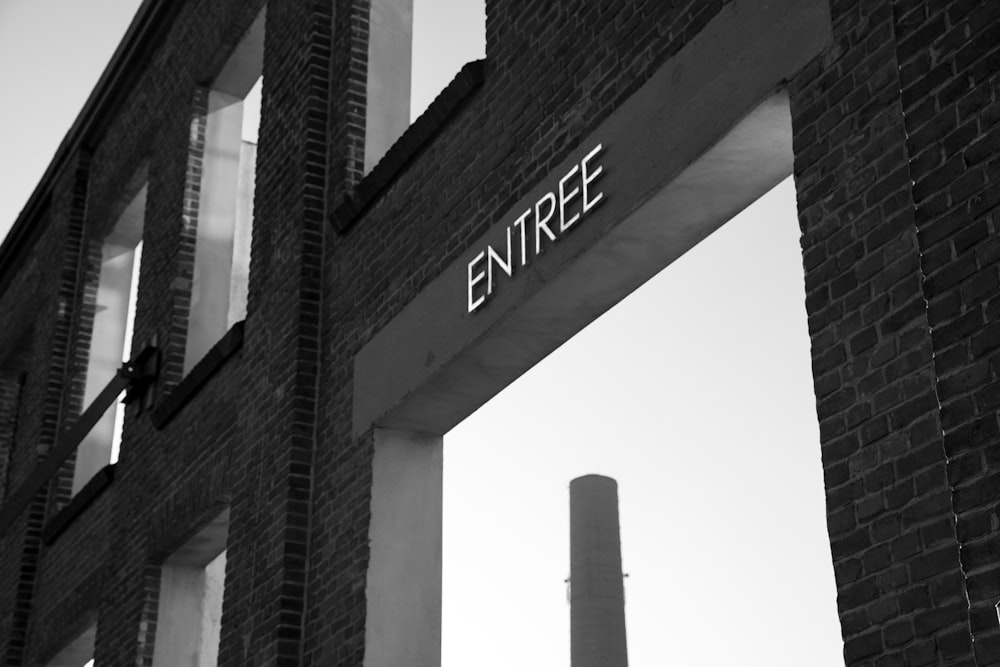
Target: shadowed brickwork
x=891, y=134
x=949, y=55
x=896, y=162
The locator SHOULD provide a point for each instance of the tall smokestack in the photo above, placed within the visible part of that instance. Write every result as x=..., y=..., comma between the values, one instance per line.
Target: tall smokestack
x=597, y=595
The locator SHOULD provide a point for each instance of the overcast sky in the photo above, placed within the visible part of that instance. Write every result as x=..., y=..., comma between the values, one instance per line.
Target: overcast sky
x=695, y=393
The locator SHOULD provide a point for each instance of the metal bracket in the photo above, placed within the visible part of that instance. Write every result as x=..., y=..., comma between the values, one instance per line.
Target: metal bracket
x=141, y=372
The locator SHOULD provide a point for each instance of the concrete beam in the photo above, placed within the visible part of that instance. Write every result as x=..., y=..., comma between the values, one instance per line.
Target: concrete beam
x=708, y=134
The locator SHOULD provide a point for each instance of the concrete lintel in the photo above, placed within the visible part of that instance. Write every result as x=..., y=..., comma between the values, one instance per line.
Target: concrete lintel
x=708, y=134
x=79, y=652
x=205, y=545
x=245, y=64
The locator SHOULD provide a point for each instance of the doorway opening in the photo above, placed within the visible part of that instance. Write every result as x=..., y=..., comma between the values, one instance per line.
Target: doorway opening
x=695, y=393
x=655, y=207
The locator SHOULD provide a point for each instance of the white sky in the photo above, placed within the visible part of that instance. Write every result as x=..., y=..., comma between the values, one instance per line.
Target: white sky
x=695, y=393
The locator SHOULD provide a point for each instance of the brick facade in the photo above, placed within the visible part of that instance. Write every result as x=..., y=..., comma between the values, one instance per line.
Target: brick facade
x=896, y=161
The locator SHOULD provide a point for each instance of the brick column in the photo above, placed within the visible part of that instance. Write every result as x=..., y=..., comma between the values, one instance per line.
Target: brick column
x=264, y=607
x=57, y=330
x=901, y=594
x=949, y=78
x=348, y=72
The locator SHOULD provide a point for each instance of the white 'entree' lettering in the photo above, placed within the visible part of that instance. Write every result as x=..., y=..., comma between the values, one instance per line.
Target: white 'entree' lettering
x=541, y=222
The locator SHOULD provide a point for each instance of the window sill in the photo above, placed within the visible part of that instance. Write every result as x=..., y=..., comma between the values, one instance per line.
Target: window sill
x=420, y=132
x=192, y=383
x=78, y=503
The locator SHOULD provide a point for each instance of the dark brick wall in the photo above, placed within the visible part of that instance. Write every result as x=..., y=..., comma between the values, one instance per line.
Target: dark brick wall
x=272, y=485
x=892, y=170
x=949, y=57
x=10, y=393
x=896, y=161
x=348, y=66
x=45, y=293
x=889, y=508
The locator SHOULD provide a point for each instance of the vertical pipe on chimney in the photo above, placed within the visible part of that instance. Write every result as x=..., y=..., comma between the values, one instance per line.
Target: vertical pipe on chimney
x=597, y=595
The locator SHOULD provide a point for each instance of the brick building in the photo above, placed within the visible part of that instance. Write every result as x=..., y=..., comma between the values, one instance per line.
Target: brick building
x=310, y=318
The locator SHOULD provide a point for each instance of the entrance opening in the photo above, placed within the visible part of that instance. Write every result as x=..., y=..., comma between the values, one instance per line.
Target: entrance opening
x=695, y=393
x=677, y=160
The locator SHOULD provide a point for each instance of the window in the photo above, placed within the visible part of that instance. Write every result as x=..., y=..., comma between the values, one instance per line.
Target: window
x=406, y=66
x=79, y=652
x=114, y=301
x=192, y=583
x=225, y=205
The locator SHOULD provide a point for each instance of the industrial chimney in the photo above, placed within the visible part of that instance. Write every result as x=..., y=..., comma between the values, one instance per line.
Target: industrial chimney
x=597, y=595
